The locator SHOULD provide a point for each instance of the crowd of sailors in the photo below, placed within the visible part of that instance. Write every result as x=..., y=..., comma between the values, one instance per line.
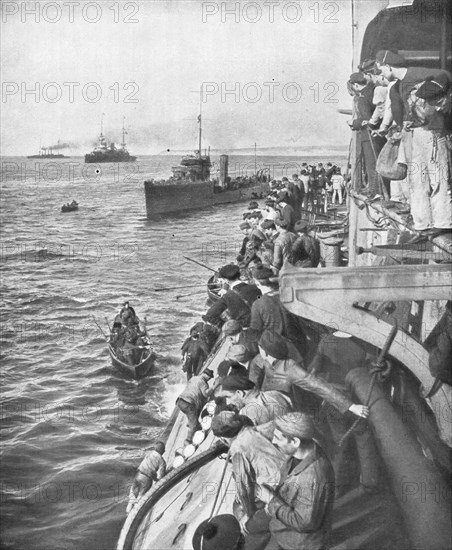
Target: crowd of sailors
x=282, y=399
x=402, y=116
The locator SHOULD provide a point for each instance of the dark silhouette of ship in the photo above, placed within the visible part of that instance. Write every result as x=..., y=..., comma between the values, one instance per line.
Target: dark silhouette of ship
x=47, y=153
x=191, y=188
x=108, y=152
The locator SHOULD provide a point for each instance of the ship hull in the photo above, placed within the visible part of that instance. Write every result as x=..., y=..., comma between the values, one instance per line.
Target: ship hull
x=94, y=159
x=48, y=157
x=181, y=197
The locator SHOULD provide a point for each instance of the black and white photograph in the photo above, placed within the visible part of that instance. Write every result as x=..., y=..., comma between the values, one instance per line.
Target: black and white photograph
x=226, y=275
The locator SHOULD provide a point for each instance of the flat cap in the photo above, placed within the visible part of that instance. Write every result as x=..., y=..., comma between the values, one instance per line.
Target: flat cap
x=257, y=234
x=389, y=57
x=434, y=87
x=300, y=225
x=245, y=225
x=296, y=425
x=252, y=205
x=366, y=65
x=231, y=368
x=273, y=344
x=281, y=222
x=268, y=224
x=219, y=533
x=230, y=271
x=238, y=352
x=358, y=78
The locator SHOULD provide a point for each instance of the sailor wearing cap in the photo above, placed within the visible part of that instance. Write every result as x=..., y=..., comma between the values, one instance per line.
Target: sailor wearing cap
x=301, y=509
x=237, y=300
x=240, y=394
x=429, y=103
x=305, y=250
x=254, y=461
x=218, y=533
x=283, y=244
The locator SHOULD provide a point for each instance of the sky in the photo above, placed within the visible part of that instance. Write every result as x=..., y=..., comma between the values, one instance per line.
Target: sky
x=147, y=61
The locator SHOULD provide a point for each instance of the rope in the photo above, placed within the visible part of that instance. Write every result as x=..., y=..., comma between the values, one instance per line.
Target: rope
x=379, y=367
x=219, y=487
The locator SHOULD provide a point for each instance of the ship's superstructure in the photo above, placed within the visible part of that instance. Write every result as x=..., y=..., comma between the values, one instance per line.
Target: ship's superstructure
x=108, y=152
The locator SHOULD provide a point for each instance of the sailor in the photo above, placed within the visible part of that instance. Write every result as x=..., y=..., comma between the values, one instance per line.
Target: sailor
x=233, y=330
x=286, y=211
x=192, y=400
x=237, y=300
x=245, y=228
x=267, y=314
x=194, y=351
x=395, y=67
x=218, y=533
x=285, y=375
x=283, y=245
x=241, y=395
x=254, y=461
x=270, y=211
x=337, y=354
x=152, y=468
x=440, y=358
x=301, y=508
x=363, y=110
x=430, y=114
x=128, y=315
x=306, y=249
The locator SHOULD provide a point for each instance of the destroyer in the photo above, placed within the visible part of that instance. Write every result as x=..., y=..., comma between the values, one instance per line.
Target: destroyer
x=191, y=188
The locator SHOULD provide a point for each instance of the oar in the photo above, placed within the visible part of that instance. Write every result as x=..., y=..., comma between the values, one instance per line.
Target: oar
x=100, y=328
x=174, y=288
x=108, y=324
x=189, y=294
x=199, y=263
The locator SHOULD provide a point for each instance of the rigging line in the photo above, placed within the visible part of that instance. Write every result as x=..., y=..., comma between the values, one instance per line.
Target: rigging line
x=353, y=34
x=219, y=485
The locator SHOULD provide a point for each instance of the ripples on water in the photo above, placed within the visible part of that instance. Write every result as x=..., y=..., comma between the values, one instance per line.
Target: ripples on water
x=73, y=429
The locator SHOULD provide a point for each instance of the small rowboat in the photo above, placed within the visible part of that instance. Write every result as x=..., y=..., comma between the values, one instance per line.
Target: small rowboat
x=139, y=351
x=70, y=207
x=139, y=370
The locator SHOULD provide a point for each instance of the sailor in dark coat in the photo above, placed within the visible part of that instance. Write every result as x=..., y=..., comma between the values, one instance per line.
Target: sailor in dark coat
x=237, y=300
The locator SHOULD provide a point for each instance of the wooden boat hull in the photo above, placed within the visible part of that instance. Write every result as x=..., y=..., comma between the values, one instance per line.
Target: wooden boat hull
x=135, y=371
x=204, y=465
x=171, y=198
x=69, y=208
x=211, y=290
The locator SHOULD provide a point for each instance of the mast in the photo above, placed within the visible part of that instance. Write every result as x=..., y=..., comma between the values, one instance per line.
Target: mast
x=199, y=121
x=102, y=124
x=123, y=144
x=255, y=158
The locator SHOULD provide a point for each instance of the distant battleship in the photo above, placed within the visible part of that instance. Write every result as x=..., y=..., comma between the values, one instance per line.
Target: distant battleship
x=109, y=153
x=47, y=153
